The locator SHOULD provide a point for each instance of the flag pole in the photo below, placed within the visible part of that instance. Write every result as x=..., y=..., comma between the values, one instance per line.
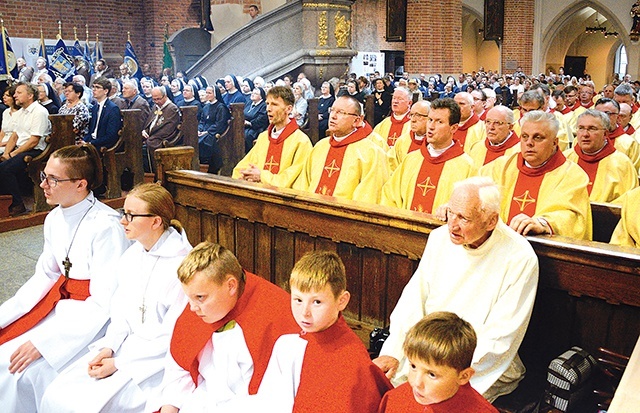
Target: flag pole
x=59, y=36
x=4, y=47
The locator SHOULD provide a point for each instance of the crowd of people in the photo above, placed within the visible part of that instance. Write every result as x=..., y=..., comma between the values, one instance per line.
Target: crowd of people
x=122, y=314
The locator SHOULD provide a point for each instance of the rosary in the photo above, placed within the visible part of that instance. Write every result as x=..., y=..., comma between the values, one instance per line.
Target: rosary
x=67, y=263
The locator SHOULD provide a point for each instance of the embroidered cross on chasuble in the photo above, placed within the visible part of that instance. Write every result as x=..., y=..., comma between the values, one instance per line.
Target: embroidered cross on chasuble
x=426, y=184
x=525, y=193
x=274, y=152
x=396, y=129
x=334, y=160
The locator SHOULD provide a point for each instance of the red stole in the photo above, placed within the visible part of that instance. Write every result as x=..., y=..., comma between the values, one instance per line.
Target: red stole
x=396, y=129
x=617, y=132
x=589, y=163
x=461, y=134
x=483, y=115
x=630, y=130
x=566, y=110
x=63, y=289
x=415, y=144
x=634, y=108
x=426, y=184
x=264, y=313
x=494, y=152
x=274, y=153
x=588, y=105
x=575, y=106
x=357, y=386
x=333, y=162
x=525, y=193
x=466, y=400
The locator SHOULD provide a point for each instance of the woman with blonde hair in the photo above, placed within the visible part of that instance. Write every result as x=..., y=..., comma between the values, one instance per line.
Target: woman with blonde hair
x=122, y=368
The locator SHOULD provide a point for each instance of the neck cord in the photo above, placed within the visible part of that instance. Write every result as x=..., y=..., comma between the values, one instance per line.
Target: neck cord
x=66, y=263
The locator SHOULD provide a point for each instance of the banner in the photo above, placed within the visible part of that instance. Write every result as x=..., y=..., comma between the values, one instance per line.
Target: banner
x=131, y=60
x=61, y=61
x=8, y=64
x=167, y=61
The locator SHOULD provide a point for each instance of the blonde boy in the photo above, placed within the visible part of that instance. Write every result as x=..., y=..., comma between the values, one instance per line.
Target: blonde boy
x=439, y=349
x=324, y=368
x=222, y=341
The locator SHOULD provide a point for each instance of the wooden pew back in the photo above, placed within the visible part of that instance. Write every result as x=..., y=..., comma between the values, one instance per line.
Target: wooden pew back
x=232, y=142
x=125, y=154
x=62, y=134
x=588, y=295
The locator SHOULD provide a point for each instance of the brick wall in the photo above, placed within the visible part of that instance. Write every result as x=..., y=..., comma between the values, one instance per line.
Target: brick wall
x=434, y=36
x=518, y=34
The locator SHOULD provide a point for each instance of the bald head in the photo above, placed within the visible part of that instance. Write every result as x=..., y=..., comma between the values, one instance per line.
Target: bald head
x=624, y=117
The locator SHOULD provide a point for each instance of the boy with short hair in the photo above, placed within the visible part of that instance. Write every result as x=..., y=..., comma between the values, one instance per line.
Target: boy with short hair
x=222, y=341
x=439, y=349
x=326, y=367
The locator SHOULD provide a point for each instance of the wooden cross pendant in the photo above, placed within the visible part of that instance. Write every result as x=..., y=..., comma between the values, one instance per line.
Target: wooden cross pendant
x=67, y=266
x=143, y=310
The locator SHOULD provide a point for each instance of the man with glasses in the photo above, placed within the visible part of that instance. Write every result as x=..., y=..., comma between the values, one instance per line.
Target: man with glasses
x=479, y=268
x=396, y=124
x=621, y=141
x=624, y=93
x=587, y=91
x=538, y=99
x=425, y=178
x=611, y=173
x=478, y=102
x=346, y=164
x=106, y=120
x=471, y=128
x=501, y=139
x=544, y=193
x=32, y=127
x=409, y=142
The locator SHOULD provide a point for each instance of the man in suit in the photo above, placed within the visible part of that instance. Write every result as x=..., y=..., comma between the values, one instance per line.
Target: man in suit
x=101, y=70
x=106, y=119
x=130, y=99
x=161, y=125
x=26, y=72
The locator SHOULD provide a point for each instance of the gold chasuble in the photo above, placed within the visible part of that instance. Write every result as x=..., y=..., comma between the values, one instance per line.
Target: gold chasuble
x=556, y=192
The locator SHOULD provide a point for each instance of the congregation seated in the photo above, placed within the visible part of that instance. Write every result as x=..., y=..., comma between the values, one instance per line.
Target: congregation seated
x=162, y=125
x=255, y=117
x=281, y=151
x=611, y=173
x=87, y=96
x=120, y=369
x=9, y=117
x=347, y=164
x=627, y=232
x=414, y=140
x=106, y=120
x=28, y=139
x=624, y=93
x=396, y=124
x=382, y=94
x=191, y=99
x=544, y=193
x=300, y=105
x=426, y=177
x=232, y=92
x=177, y=86
x=480, y=269
x=325, y=101
x=101, y=70
x=73, y=105
x=147, y=86
x=500, y=139
x=213, y=123
x=48, y=98
x=131, y=99
x=115, y=94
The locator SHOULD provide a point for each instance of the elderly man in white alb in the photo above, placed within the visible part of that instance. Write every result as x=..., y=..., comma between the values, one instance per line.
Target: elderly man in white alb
x=482, y=270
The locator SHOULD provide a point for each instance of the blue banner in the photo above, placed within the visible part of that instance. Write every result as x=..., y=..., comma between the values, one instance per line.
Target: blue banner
x=91, y=62
x=131, y=60
x=8, y=65
x=61, y=61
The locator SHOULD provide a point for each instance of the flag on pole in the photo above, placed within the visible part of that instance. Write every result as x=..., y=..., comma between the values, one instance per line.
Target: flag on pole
x=76, y=50
x=131, y=60
x=97, y=51
x=86, y=52
x=42, y=52
x=167, y=60
x=8, y=64
x=61, y=61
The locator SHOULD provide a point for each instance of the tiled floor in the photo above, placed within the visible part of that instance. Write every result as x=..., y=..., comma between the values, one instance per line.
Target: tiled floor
x=19, y=250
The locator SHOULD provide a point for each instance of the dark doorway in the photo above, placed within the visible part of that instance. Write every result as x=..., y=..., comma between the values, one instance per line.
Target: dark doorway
x=575, y=65
x=393, y=61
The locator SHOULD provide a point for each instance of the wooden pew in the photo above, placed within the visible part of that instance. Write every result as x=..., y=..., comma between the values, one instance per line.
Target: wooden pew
x=232, y=142
x=188, y=134
x=605, y=217
x=62, y=134
x=126, y=153
x=588, y=294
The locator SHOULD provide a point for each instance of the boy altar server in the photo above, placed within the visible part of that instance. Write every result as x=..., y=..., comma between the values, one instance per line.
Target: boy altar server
x=221, y=343
x=324, y=368
x=440, y=349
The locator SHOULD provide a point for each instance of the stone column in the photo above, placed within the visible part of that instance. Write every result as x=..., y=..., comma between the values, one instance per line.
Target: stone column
x=434, y=36
x=517, y=45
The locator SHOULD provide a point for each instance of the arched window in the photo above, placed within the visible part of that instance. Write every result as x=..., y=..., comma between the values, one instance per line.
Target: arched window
x=620, y=65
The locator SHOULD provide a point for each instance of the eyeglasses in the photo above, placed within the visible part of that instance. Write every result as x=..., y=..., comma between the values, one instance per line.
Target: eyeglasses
x=341, y=112
x=590, y=129
x=129, y=216
x=609, y=113
x=53, y=182
x=490, y=122
x=417, y=115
